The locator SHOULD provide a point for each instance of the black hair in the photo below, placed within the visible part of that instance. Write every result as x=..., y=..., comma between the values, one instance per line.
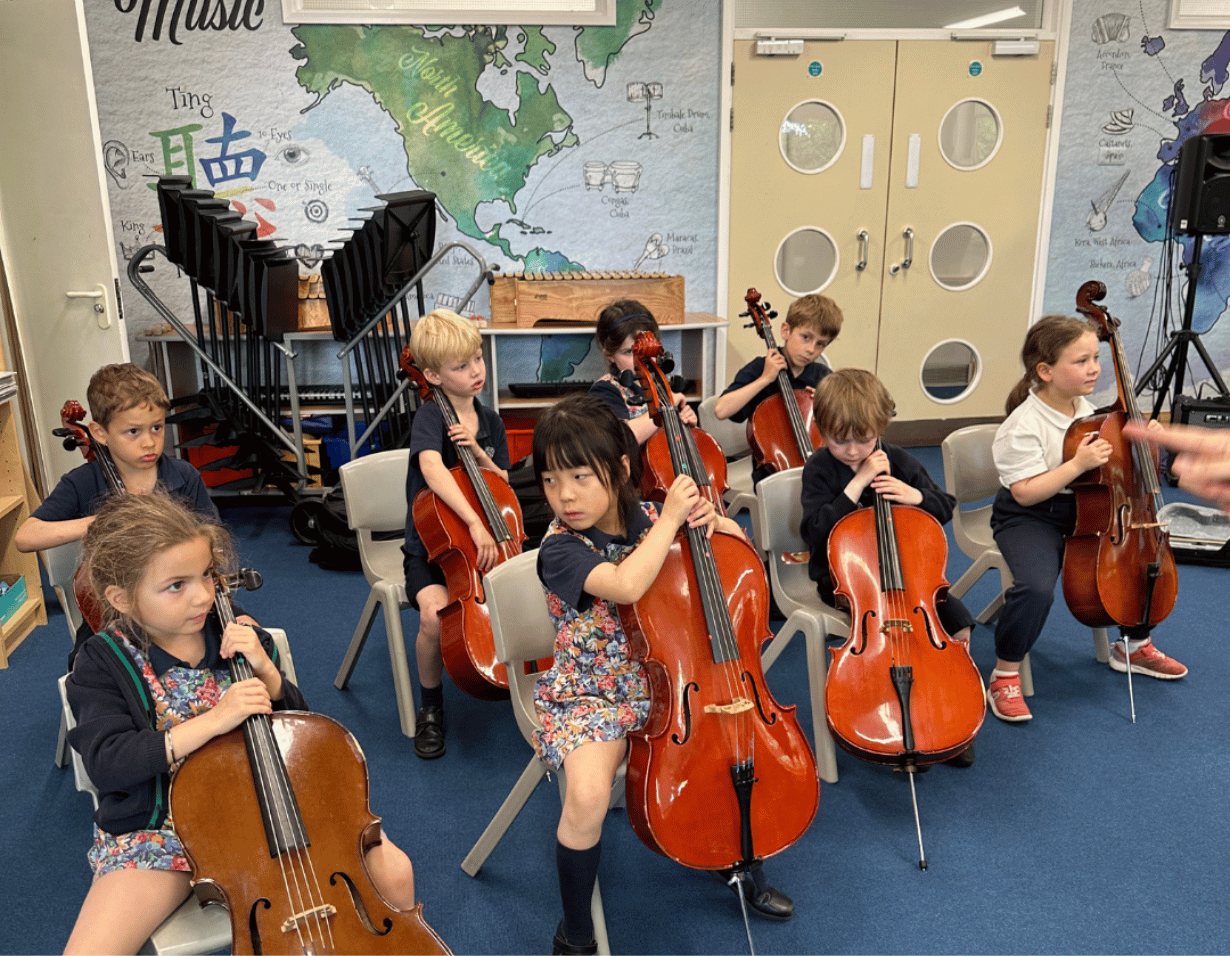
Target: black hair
x=581, y=431
x=620, y=319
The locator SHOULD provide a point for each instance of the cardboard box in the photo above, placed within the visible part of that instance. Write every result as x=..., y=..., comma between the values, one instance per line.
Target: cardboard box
x=12, y=600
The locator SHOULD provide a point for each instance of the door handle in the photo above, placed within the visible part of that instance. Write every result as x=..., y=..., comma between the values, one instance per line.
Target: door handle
x=908, y=234
x=99, y=295
x=862, y=250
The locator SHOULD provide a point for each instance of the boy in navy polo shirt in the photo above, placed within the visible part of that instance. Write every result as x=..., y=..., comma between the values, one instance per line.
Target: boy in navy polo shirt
x=449, y=351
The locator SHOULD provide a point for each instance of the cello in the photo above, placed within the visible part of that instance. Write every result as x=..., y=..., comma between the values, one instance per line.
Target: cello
x=782, y=430
x=705, y=456
x=900, y=690
x=720, y=775
x=274, y=819
x=76, y=436
x=1117, y=566
x=466, y=642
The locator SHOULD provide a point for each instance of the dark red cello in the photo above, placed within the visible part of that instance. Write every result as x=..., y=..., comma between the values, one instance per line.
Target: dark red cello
x=721, y=774
x=1117, y=566
x=703, y=453
x=900, y=690
x=75, y=435
x=274, y=819
x=466, y=641
x=782, y=430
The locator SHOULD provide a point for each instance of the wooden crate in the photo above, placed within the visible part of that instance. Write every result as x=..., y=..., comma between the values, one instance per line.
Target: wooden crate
x=311, y=458
x=532, y=299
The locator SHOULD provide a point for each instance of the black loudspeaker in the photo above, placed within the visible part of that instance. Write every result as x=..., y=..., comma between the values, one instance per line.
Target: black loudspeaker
x=1208, y=413
x=1200, y=196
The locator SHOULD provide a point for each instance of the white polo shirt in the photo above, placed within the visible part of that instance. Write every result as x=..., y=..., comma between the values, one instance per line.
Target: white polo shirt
x=1030, y=441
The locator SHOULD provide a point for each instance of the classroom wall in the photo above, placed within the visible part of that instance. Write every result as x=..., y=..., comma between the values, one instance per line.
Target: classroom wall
x=1135, y=92
x=597, y=148
x=548, y=148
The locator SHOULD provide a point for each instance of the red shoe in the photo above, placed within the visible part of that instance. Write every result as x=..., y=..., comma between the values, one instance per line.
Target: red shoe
x=1007, y=702
x=1147, y=660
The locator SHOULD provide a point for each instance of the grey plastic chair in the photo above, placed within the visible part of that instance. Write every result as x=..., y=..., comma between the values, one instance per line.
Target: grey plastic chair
x=193, y=927
x=780, y=507
x=374, y=487
x=523, y=633
x=732, y=438
x=970, y=476
x=61, y=564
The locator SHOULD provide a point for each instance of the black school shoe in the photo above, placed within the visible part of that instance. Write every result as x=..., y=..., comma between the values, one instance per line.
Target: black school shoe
x=429, y=733
x=964, y=759
x=771, y=904
x=562, y=946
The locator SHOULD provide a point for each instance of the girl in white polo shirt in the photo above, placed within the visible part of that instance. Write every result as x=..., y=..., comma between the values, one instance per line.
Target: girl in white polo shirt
x=1034, y=510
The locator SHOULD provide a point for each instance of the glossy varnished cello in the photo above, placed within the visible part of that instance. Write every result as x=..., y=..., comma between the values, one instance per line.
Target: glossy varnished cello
x=705, y=456
x=1117, y=567
x=76, y=436
x=721, y=774
x=900, y=690
x=274, y=819
x=466, y=642
x=782, y=430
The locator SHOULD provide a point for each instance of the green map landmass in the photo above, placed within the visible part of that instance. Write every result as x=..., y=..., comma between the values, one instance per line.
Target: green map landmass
x=458, y=144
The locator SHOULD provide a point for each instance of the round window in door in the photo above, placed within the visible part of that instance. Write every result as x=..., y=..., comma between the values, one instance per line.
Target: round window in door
x=970, y=134
x=806, y=261
x=811, y=136
x=960, y=256
x=950, y=371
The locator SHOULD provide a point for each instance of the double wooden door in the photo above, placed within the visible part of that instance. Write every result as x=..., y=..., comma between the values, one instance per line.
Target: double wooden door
x=902, y=179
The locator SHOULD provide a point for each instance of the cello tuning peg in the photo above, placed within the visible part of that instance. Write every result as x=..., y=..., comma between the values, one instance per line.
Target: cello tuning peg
x=773, y=314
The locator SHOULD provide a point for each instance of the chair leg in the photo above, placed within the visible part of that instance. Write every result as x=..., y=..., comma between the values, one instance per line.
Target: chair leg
x=1027, y=678
x=520, y=794
x=62, y=755
x=598, y=915
x=781, y=640
x=366, y=619
x=397, y=659
x=817, y=670
x=1101, y=645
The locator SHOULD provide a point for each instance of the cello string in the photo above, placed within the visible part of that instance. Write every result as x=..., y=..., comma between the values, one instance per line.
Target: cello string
x=487, y=502
x=278, y=799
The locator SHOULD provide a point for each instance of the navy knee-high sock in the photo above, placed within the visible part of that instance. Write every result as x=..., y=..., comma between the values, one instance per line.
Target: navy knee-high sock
x=578, y=869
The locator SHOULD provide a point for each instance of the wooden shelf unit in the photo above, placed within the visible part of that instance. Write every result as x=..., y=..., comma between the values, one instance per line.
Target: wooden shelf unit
x=16, y=502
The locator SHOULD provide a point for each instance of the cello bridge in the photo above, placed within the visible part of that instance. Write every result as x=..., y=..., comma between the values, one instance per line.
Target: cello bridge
x=323, y=911
x=736, y=706
x=892, y=622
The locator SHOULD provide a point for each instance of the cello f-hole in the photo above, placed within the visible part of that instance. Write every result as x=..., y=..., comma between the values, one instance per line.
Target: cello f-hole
x=937, y=644
x=688, y=690
x=751, y=682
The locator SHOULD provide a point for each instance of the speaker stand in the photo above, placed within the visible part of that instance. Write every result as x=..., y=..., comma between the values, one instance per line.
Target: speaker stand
x=1176, y=348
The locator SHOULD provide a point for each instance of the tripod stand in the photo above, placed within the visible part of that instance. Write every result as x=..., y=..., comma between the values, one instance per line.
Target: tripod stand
x=1178, y=344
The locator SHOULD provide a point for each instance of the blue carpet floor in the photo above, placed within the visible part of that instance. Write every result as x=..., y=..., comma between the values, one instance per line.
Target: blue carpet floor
x=1078, y=832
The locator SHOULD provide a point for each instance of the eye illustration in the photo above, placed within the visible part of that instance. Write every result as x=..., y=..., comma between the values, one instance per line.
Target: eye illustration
x=294, y=155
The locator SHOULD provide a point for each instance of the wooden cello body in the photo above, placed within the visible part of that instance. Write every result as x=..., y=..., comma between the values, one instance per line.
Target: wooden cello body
x=75, y=435
x=782, y=430
x=274, y=818
x=1118, y=567
x=721, y=774
x=466, y=641
x=900, y=690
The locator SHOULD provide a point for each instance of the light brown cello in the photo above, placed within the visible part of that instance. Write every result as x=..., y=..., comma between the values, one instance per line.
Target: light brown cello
x=721, y=775
x=1117, y=567
x=782, y=430
x=900, y=690
x=76, y=436
x=466, y=642
x=274, y=819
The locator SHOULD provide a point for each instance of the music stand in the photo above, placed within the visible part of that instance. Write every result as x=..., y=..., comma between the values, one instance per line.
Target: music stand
x=1178, y=344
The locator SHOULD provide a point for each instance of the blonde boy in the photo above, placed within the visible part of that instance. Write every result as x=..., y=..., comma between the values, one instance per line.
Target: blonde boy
x=449, y=350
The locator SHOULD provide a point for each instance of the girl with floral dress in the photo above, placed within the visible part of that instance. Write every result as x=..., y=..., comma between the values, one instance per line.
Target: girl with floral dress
x=604, y=548
x=152, y=687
